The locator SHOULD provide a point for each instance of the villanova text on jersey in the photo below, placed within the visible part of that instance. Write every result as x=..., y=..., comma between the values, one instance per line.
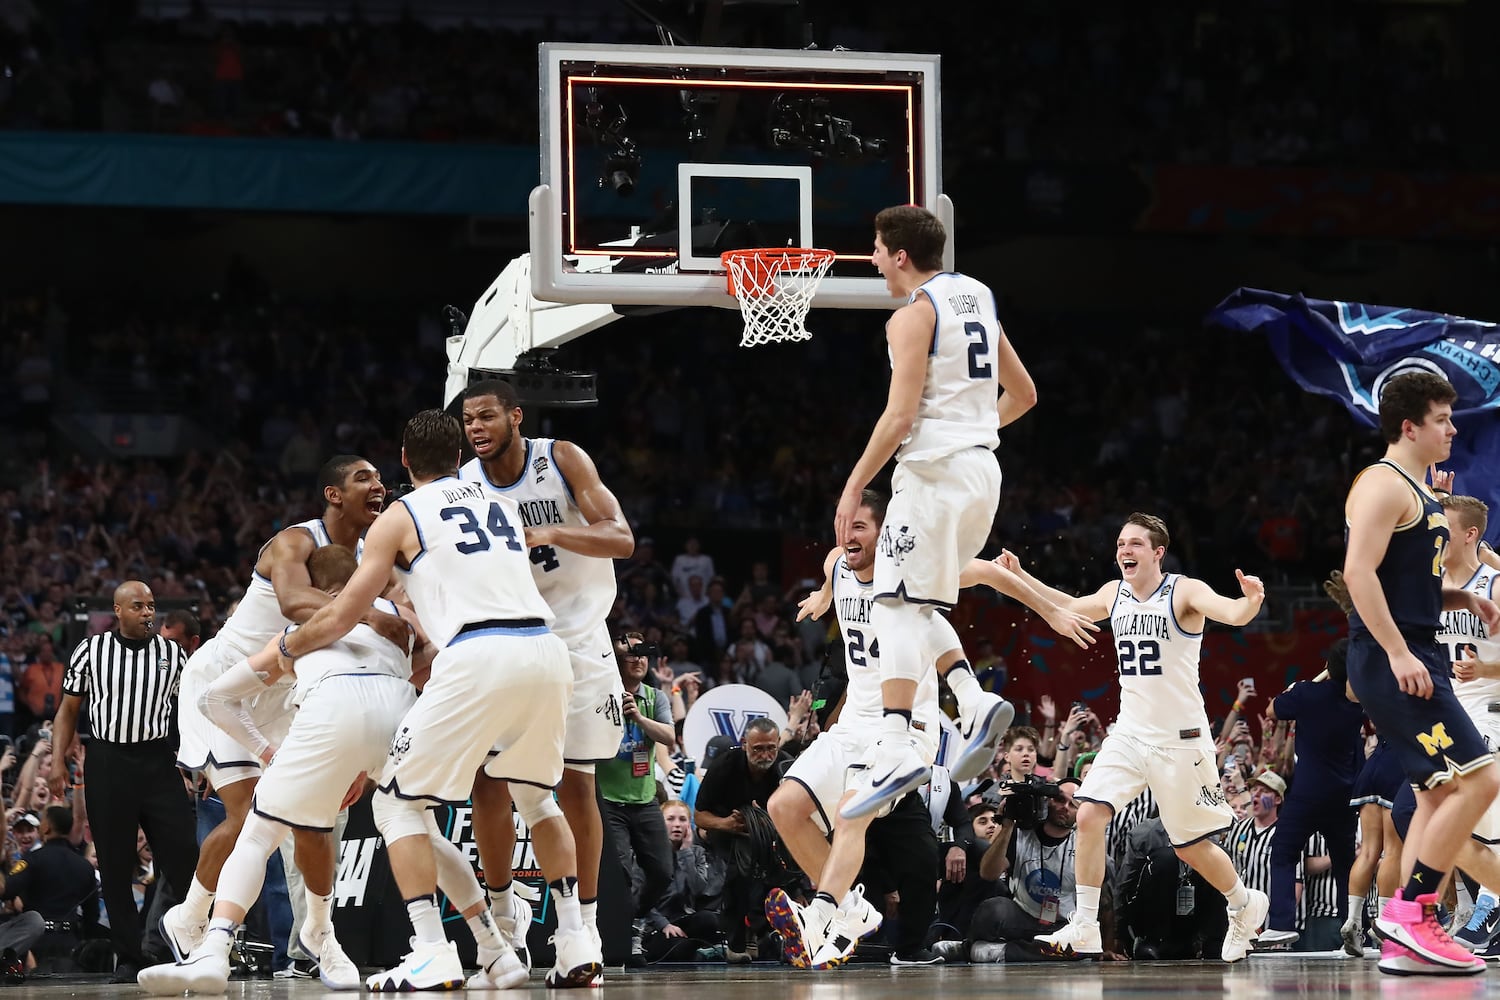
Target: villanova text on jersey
x=1142, y=625
x=537, y=512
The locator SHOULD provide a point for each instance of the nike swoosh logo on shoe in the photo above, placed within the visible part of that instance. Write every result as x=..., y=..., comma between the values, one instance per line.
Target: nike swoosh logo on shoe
x=878, y=782
x=416, y=970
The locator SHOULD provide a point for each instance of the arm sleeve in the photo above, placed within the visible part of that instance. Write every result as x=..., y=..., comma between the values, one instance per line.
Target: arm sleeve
x=76, y=677
x=224, y=702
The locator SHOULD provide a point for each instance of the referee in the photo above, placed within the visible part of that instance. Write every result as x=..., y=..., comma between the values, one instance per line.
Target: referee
x=129, y=677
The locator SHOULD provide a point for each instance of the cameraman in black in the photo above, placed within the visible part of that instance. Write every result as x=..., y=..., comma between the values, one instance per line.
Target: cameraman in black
x=1034, y=850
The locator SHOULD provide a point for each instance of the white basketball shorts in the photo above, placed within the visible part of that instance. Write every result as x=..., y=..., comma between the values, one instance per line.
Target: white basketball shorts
x=595, y=725
x=506, y=692
x=204, y=746
x=939, y=517
x=1184, y=780
x=343, y=728
x=837, y=759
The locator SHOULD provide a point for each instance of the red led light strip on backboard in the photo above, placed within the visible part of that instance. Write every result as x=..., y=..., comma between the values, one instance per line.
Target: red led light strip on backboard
x=911, y=152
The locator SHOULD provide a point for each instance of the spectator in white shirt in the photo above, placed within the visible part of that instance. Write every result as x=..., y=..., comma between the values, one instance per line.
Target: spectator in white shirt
x=690, y=563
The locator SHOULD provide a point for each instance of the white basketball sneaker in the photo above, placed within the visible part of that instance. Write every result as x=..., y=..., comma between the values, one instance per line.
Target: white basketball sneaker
x=335, y=968
x=182, y=934
x=855, y=920
x=514, y=927
x=501, y=970
x=981, y=724
x=204, y=972
x=427, y=967
x=897, y=768
x=578, y=961
x=1075, y=938
x=1244, y=926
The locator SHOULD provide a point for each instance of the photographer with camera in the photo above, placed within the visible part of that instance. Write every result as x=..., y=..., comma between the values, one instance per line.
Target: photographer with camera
x=1034, y=850
x=627, y=782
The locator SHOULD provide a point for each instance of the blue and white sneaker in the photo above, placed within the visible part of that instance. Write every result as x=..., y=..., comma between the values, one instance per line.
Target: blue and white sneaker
x=427, y=967
x=981, y=724
x=1483, y=922
x=897, y=769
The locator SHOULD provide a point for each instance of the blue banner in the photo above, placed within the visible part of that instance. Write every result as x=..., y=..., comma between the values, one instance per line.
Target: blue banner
x=1347, y=351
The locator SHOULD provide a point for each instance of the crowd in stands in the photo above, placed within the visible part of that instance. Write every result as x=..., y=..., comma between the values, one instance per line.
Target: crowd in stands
x=1207, y=83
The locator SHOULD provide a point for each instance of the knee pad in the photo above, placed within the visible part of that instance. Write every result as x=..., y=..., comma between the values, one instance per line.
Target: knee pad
x=939, y=637
x=397, y=818
x=534, y=804
x=582, y=767
x=244, y=870
x=455, y=876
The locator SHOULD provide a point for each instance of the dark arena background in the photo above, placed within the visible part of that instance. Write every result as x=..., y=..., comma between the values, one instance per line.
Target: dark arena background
x=240, y=236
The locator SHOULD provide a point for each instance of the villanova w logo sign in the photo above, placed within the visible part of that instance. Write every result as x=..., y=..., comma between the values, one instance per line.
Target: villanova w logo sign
x=732, y=722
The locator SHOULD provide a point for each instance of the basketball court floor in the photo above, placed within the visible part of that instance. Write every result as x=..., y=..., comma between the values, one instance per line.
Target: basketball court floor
x=1258, y=976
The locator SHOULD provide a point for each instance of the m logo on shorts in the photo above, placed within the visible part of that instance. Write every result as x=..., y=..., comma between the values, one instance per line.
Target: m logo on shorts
x=1436, y=740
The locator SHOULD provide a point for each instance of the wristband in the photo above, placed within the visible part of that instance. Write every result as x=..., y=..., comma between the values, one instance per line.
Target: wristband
x=1237, y=707
x=677, y=690
x=281, y=645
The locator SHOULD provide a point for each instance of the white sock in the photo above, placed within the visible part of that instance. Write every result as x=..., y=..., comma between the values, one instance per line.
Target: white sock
x=964, y=685
x=1356, y=909
x=500, y=899
x=486, y=934
x=1238, y=896
x=895, y=725
x=319, y=918
x=590, y=913
x=199, y=902
x=426, y=920
x=220, y=936
x=1381, y=902
x=565, y=899
x=1088, y=904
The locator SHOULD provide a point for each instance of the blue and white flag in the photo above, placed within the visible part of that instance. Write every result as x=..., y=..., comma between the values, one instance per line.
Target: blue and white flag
x=1347, y=350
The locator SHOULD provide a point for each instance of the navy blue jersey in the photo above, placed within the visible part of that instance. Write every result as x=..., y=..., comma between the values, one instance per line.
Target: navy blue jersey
x=1411, y=572
x=1329, y=746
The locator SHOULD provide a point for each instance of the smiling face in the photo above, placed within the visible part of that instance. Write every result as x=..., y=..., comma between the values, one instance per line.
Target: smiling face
x=859, y=551
x=1137, y=559
x=362, y=494
x=492, y=428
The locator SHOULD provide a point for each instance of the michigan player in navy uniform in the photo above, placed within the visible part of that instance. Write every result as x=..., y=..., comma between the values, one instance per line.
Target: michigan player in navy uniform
x=1393, y=567
x=1161, y=740
x=500, y=679
x=955, y=381
x=280, y=593
x=574, y=529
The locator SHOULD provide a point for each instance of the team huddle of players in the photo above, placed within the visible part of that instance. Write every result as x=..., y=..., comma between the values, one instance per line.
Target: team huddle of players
x=487, y=586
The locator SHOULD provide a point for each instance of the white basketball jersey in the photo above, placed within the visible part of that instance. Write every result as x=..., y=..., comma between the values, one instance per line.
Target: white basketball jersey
x=258, y=618
x=863, y=704
x=957, y=410
x=1160, y=702
x=580, y=589
x=473, y=566
x=1464, y=631
x=362, y=651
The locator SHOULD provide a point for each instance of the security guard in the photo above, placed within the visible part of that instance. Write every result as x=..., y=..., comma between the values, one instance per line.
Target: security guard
x=48, y=887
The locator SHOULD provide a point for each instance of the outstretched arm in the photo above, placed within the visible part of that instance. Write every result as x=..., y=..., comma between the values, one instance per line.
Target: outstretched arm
x=1094, y=607
x=225, y=701
x=1199, y=599
x=1064, y=621
x=815, y=605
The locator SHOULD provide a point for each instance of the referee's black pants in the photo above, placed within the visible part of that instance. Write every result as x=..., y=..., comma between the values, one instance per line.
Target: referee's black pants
x=129, y=785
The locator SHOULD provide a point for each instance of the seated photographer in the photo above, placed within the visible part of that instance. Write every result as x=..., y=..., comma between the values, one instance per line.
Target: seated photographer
x=1166, y=908
x=730, y=813
x=689, y=909
x=1034, y=851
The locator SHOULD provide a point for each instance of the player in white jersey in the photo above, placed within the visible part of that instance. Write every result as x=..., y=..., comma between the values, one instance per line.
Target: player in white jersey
x=804, y=807
x=1161, y=739
x=280, y=593
x=574, y=529
x=955, y=381
x=500, y=678
x=350, y=698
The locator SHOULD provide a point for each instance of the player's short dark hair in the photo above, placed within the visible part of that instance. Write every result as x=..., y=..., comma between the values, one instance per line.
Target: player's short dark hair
x=917, y=231
x=1337, y=661
x=503, y=391
x=1156, y=528
x=1407, y=397
x=432, y=441
x=335, y=471
x=331, y=566
x=876, y=502
x=59, y=818
x=184, y=619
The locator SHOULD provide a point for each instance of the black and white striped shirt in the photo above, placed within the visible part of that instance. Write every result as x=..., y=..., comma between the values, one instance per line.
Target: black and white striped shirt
x=1131, y=815
x=1320, y=893
x=1250, y=849
x=128, y=685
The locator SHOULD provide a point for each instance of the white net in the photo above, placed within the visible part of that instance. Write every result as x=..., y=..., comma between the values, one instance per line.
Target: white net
x=775, y=288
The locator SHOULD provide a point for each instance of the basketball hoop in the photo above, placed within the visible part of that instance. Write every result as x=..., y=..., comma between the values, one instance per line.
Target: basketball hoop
x=775, y=288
